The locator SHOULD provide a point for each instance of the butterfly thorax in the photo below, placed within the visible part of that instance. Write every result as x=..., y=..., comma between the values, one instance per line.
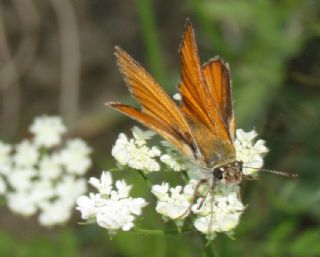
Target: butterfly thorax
x=229, y=174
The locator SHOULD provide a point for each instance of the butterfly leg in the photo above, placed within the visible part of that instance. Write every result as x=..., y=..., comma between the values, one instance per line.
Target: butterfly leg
x=203, y=200
x=213, y=185
x=200, y=182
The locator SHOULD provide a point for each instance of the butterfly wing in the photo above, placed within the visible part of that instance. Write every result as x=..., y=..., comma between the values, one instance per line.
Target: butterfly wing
x=201, y=107
x=217, y=76
x=159, y=112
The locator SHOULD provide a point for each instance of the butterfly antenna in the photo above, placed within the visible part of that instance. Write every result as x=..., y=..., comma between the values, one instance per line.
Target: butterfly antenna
x=276, y=172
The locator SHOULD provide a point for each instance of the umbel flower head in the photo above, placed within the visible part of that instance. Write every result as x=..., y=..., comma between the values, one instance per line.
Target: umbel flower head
x=135, y=153
x=47, y=130
x=211, y=208
x=39, y=175
x=112, y=207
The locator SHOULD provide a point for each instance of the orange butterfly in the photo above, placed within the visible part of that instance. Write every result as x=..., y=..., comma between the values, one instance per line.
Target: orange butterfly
x=202, y=126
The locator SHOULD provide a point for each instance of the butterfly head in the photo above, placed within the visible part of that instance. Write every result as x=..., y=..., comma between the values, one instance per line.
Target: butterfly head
x=229, y=174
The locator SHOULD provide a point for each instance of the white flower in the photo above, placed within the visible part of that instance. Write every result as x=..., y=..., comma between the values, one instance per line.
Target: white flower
x=154, y=151
x=41, y=191
x=104, y=184
x=135, y=205
x=88, y=206
x=173, y=158
x=19, y=203
x=171, y=162
x=54, y=212
x=141, y=136
x=115, y=215
x=122, y=191
x=5, y=159
x=249, y=152
x=214, y=223
x=161, y=191
x=220, y=211
x=43, y=180
x=26, y=155
x=177, y=97
x=113, y=210
x=227, y=221
x=174, y=203
x=20, y=179
x=49, y=167
x=119, y=150
x=69, y=188
x=47, y=130
x=204, y=225
x=135, y=153
x=75, y=157
x=119, y=214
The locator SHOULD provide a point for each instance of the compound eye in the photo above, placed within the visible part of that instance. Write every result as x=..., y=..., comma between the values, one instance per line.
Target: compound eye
x=218, y=173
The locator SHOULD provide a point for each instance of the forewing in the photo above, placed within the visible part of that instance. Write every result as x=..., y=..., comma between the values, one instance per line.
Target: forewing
x=159, y=112
x=155, y=124
x=200, y=107
x=217, y=77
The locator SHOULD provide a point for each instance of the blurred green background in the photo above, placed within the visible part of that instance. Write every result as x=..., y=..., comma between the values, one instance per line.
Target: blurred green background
x=56, y=57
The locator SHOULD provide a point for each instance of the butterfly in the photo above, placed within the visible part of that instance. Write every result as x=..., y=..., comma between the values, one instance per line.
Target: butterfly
x=202, y=126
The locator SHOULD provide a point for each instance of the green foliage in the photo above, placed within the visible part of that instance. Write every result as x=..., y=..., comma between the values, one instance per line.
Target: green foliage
x=257, y=38
x=41, y=245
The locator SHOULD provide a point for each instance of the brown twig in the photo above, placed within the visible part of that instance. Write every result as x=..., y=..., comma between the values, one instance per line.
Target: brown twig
x=9, y=81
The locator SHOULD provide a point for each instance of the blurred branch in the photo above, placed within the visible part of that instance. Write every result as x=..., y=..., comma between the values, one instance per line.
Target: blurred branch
x=70, y=59
x=25, y=53
x=9, y=83
x=29, y=20
x=95, y=121
x=149, y=33
x=305, y=79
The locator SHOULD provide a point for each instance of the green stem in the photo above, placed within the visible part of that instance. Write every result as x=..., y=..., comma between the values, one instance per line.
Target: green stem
x=161, y=232
x=185, y=176
x=207, y=247
x=149, y=33
x=115, y=169
x=145, y=178
x=142, y=174
x=2, y=201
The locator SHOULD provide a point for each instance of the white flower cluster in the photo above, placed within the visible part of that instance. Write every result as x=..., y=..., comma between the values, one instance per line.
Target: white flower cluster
x=5, y=165
x=135, y=153
x=47, y=131
x=172, y=158
x=213, y=209
x=112, y=208
x=250, y=152
x=36, y=177
x=174, y=203
x=217, y=211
